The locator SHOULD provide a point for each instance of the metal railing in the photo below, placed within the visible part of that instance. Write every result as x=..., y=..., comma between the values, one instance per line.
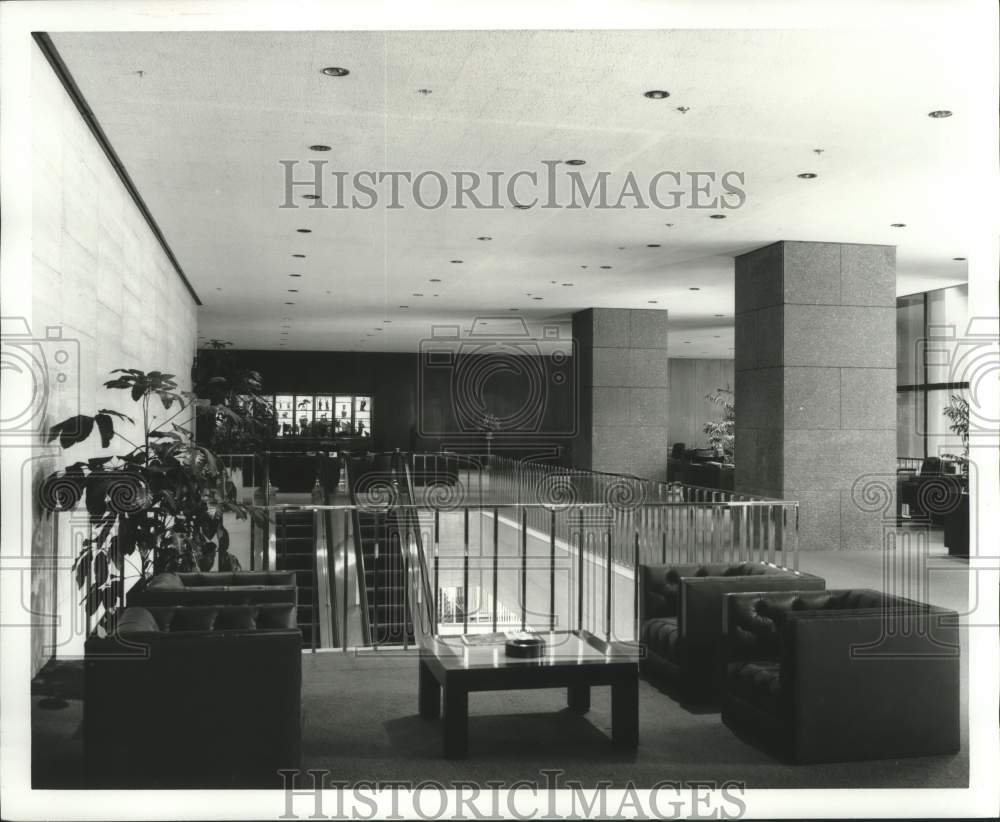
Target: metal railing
x=540, y=545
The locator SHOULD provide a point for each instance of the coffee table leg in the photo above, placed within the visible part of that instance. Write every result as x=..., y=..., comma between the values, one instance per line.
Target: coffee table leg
x=625, y=712
x=456, y=721
x=578, y=698
x=429, y=693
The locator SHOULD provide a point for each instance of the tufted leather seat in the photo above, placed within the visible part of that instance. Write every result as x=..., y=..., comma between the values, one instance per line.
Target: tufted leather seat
x=216, y=588
x=825, y=676
x=680, y=613
x=200, y=696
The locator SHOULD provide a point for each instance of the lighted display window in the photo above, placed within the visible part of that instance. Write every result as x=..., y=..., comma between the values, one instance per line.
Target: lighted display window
x=322, y=415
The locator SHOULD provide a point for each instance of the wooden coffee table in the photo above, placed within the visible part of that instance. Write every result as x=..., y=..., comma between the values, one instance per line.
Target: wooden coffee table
x=569, y=662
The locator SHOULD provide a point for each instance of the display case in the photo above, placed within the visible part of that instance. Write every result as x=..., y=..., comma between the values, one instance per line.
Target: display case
x=322, y=415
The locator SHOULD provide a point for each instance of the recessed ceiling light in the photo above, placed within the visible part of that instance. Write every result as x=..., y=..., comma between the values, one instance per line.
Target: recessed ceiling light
x=683, y=109
x=657, y=94
x=378, y=329
x=522, y=207
x=807, y=175
x=959, y=259
x=425, y=91
x=512, y=309
x=718, y=315
x=404, y=306
x=653, y=302
x=687, y=342
x=435, y=295
x=583, y=266
x=898, y=225
x=716, y=336
x=939, y=114
x=299, y=255
x=319, y=147
x=537, y=298
x=652, y=245
x=435, y=280
x=456, y=261
x=417, y=294
x=576, y=162
x=669, y=225
x=605, y=266
x=293, y=291
x=694, y=288
x=289, y=303
x=567, y=285
x=304, y=230
x=717, y=216
x=310, y=196
x=335, y=71
x=485, y=239
x=294, y=275
x=387, y=321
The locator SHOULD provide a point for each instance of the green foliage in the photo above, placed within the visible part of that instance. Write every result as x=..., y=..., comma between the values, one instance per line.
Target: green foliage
x=957, y=412
x=722, y=433
x=162, y=499
x=233, y=415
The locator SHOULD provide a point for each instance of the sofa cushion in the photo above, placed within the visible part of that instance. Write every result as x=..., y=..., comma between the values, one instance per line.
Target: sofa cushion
x=193, y=618
x=136, y=621
x=660, y=636
x=277, y=616
x=165, y=581
x=757, y=682
x=241, y=617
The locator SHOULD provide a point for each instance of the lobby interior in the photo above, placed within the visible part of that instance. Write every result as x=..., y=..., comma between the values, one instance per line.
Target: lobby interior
x=516, y=369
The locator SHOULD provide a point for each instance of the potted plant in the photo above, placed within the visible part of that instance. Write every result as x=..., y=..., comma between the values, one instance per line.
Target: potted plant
x=957, y=412
x=162, y=498
x=722, y=432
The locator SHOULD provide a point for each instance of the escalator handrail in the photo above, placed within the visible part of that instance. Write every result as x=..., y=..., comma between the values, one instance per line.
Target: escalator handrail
x=413, y=524
x=359, y=554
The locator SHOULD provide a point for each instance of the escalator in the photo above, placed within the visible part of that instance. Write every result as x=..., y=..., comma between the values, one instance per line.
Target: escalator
x=375, y=485
x=295, y=541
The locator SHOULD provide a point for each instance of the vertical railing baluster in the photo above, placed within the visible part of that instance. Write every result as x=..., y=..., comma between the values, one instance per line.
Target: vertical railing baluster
x=465, y=575
x=524, y=567
x=347, y=536
x=580, y=573
x=635, y=590
x=496, y=561
x=552, y=569
x=607, y=593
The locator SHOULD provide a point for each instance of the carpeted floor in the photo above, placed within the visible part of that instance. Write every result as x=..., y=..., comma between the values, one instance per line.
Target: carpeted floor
x=361, y=723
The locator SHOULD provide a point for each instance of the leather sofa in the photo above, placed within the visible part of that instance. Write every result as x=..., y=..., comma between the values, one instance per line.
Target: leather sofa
x=680, y=617
x=194, y=697
x=841, y=675
x=701, y=468
x=239, y=588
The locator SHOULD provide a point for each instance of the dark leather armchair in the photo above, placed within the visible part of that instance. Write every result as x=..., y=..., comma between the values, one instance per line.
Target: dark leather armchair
x=239, y=588
x=843, y=675
x=923, y=493
x=194, y=697
x=680, y=616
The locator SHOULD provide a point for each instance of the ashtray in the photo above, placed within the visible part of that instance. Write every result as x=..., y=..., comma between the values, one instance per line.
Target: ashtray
x=524, y=646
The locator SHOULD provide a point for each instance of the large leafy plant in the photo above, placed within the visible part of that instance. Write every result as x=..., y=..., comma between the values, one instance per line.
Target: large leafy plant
x=957, y=412
x=162, y=499
x=235, y=417
x=722, y=432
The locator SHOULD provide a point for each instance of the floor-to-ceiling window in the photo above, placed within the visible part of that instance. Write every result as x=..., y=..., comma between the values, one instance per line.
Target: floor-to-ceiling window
x=929, y=329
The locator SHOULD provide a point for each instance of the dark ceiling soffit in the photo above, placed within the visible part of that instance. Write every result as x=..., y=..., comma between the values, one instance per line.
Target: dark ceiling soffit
x=59, y=67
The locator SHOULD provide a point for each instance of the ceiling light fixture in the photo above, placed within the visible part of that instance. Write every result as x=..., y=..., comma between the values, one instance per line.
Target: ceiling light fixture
x=319, y=147
x=717, y=216
x=484, y=239
x=898, y=225
x=304, y=230
x=605, y=266
x=567, y=285
x=537, y=298
x=294, y=275
x=425, y=91
x=417, y=294
x=404, y=306
x=807, y=175
x=718, y=315
x=576, y=162
x=435, y=280
x=652, y=245
x=683, y=109
x=521, y=207
x=299, y=255
x=293, y=291
x=335, y=71
x=669, y=225
x=456, y=262
x=653, y=302
x=310, y=196
x=694, y=288
x=657, y=94
x=959, y=259
x=939, y=114
x=289, y=303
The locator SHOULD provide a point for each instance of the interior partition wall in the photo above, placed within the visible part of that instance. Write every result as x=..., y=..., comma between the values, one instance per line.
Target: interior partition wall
x=929, y=327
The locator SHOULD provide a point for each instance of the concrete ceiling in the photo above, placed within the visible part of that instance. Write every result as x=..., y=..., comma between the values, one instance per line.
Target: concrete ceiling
x=201, y=120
